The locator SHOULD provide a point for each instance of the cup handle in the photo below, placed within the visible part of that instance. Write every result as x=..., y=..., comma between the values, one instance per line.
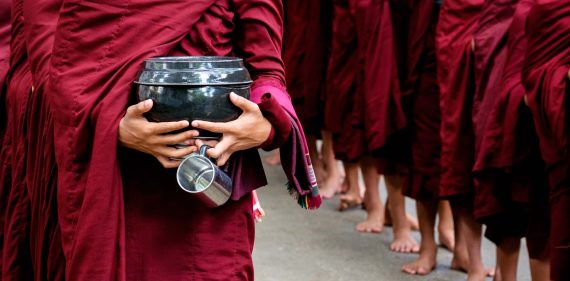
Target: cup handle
x=203, y=150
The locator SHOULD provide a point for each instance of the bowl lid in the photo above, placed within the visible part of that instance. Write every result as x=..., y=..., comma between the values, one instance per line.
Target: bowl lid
x=194, y=71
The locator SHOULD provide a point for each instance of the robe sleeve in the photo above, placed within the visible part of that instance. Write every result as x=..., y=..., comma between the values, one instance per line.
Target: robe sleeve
x=258, y=42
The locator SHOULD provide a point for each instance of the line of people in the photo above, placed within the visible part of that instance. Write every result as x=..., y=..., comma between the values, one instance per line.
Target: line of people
x=459, y=104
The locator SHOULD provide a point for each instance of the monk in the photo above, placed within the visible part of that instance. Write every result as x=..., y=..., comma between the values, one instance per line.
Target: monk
x=40, y=18
x=511, y=187
x=545, y=79
x=422, y=91
x=122, y=215
x=16, y=261
x=305, y=54
x=379, y=112
x=454, y=49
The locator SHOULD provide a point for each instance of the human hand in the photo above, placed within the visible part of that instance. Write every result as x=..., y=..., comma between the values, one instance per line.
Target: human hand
x=137, y=133
x=250, y=130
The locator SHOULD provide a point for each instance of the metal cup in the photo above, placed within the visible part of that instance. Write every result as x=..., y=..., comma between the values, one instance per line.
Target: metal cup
x=198, y=175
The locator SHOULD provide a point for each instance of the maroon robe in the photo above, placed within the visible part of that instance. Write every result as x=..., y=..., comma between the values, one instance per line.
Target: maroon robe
x=305, y=53
x=378, y=111
x=422, y=91
x=116, y=223
x=457, y=22
x=16, y=262
x=41, y=176
x=512, y=194
x=349, y=143
x=5, y=8
x=545, y=78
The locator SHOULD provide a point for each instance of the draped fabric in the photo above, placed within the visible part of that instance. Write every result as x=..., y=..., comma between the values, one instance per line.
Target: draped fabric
x=545, y=78
x=422, y=92
x=40, y=18
x=14, y=201
x=455, y=66
x=306, y=45
x=122, y=215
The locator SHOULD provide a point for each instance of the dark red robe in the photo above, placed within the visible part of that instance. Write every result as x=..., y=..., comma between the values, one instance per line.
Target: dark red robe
x=378, y=111
x=545, y=78
x=349, y=142
x=122, y=215
x=511, y=187
x=305, y=53
x=41, y=176
x=16, y=262
x=422, y=93
x=457, y=22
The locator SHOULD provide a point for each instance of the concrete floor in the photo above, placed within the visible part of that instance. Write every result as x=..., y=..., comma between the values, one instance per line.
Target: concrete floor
x=293, y=244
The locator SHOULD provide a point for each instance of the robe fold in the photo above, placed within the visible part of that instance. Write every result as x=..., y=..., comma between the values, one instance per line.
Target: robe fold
x=545, y=79
x=122, y=215
x=348, y=141
x=511, y=186
x=378, y=109
x=16, y=262
x=422, y=91
x=455, y=67
x=5, y=12
x=306, y=44
x=40, y=18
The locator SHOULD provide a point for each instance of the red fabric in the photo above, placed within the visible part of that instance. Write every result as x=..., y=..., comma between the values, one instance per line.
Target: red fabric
x=153, y=233
x=380, y=112
x=457, y=22
x=349, y=143
x=305, y=53
x=279, y=119
x=423, y=90
x=41, y=176
x=16, y=262
x=545, y=78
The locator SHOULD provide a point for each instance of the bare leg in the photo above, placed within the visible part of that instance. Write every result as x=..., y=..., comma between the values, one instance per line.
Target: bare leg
x=352, y=197
x=445, y=226
x=375, y=210
x=508, y=259
x=403, y=240
x=427, y=210
x=468, y=235
x=388, y=217
x=318, y=166
x=540, y=270
x=333, y=181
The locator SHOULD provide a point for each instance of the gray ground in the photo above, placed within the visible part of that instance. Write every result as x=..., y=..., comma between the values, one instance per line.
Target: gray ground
x=293, y=244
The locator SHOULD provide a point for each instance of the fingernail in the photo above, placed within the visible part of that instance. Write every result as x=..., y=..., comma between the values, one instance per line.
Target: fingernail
x=195, y=124
x=185, y=122
x=233, y=95
x=148, y=102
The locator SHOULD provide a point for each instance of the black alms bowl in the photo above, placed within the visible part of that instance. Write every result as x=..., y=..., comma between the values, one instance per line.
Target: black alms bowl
x=193, y=88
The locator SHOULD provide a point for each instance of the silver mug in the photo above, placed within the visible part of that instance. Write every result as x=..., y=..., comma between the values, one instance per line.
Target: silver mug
x=198, y=175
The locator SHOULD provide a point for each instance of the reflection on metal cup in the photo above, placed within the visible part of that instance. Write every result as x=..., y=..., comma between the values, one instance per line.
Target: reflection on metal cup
x=198, y=175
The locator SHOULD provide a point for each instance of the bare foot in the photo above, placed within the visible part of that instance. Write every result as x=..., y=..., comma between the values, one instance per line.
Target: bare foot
x=273, y=159
x=480, y=275
x=349, y=201
x=411, y=220
x=424, y=264
x=331, y=186
x=447, y=239
x=374, y=222
x=460, y=263
x=404, y=242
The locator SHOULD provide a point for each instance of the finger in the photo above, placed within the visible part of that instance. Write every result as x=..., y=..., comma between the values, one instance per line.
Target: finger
x=180, y=138
x=168, y=163
x=216, y=127
x=140, y=108
x=210, y=143
x=175, y=153
x=220, y=148
x=243, y=103
x=224, y=159
x=160, y=128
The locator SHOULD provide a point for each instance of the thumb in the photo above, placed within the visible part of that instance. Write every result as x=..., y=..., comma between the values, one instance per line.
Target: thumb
x=243, y=103
x=140, y=108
